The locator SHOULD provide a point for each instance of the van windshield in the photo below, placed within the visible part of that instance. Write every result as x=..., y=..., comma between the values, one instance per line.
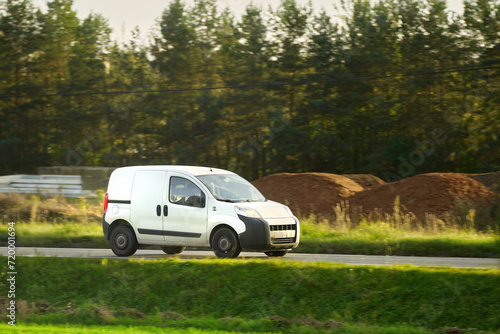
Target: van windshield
x=231, y=188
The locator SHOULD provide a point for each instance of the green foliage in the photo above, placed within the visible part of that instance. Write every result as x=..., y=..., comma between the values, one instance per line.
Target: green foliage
x=92, y=290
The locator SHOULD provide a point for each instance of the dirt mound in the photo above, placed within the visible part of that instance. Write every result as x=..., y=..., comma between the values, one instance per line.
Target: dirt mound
x=308, y=193
x=436, y=193
x=365, y=180
x=490, y=180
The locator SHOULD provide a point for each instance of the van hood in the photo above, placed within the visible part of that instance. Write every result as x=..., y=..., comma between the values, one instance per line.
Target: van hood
x=268, y=209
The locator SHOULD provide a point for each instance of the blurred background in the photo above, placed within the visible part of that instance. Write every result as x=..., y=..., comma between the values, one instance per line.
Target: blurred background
x=392, y=89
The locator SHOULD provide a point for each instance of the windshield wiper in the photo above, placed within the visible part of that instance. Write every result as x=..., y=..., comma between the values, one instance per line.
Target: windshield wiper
x=227, y=200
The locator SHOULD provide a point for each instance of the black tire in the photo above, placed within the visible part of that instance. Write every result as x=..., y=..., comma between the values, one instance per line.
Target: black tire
x=276, y=253
x=225, y=243
x=173, y=249
x=123, y=241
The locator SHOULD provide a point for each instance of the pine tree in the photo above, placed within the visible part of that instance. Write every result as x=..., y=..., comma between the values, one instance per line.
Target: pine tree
x=290, y=28
x=176, y=61
x=245, y=54
x=20, y=29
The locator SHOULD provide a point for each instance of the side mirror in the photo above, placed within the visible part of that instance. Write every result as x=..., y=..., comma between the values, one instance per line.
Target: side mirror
x=196, y=201
x=203, y=200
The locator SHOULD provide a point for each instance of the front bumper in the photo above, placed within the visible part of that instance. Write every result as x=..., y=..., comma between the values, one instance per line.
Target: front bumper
x=259, y=235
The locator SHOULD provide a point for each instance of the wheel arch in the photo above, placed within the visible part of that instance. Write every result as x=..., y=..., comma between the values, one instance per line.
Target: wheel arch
x=218, y=227
x=115, y=224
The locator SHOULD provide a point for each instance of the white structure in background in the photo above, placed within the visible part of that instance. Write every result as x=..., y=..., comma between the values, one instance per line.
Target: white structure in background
x=49, y=185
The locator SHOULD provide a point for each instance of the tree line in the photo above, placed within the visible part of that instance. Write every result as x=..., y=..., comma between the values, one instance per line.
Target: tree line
x=392, y=88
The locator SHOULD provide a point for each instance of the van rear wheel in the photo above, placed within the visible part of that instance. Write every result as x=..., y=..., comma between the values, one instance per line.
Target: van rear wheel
x=173, y=249
x=225, y=243
x=123, y=241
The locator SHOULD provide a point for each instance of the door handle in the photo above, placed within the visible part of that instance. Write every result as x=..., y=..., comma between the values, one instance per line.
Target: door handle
x=158, y=210
x=165, y=210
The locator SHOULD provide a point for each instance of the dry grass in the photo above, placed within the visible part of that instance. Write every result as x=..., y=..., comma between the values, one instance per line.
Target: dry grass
x=399, y=233
x=34, y=208
x=346, y=218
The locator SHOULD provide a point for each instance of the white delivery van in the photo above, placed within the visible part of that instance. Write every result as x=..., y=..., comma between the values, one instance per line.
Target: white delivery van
x=179, y=206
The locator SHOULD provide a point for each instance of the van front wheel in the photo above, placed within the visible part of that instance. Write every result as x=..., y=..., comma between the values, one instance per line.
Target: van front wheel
x=225, y=243
x=123, y=241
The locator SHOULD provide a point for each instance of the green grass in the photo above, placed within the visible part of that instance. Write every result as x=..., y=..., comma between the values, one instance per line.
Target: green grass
x=199, y=328
x=60, y=222
x=377, y=238
x=274, y=292
x=380, y=238
x=53, y=329
x=67, y=234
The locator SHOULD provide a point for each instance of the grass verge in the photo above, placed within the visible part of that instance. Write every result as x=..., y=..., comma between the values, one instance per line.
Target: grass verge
x=190, y=328
x=60, y=222
x=67, y=234
x=78, y=329
x=381, y=238
x=376, y=238
x=281, y=294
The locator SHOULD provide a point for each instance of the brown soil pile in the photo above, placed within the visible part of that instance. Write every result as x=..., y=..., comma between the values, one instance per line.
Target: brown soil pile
x=307, y=193
x=436, y=193
x=365, y=180
x=490, y=180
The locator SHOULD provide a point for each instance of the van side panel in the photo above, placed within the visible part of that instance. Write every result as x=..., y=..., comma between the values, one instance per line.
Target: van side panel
x=147, y=196
x=120, y=184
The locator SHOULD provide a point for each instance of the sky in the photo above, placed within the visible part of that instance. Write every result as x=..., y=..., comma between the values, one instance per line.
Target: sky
x=125, y=15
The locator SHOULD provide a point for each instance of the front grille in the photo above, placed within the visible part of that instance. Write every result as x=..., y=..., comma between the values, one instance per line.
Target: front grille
x=283, y=241
x=290, y=227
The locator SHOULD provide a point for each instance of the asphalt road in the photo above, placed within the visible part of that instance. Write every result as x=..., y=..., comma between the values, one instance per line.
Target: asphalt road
x=458, y=262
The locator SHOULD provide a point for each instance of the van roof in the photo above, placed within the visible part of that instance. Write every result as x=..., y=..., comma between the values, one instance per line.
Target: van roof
x=194, y=170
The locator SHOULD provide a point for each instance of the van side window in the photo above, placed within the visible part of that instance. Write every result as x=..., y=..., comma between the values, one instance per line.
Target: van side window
x=185, y=192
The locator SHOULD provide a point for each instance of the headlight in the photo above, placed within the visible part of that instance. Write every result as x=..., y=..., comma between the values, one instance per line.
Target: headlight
x=247, y=212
